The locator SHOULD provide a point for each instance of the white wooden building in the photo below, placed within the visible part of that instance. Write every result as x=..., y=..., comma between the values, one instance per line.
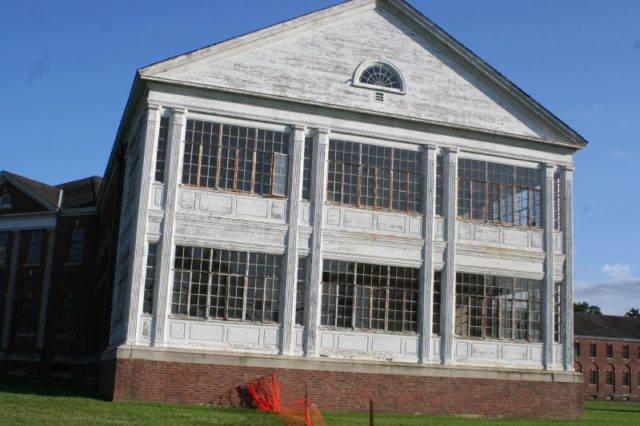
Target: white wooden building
x=352, y=187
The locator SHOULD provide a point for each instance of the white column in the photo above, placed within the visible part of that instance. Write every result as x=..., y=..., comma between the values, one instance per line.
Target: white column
x=288, y=290
x=134, y=306
x=447, y=307
x=46, y=286
x=318, y=196
x=426, y=273
x=566, y=185
x=11, y=292
x=548, y=282
x=166, y=248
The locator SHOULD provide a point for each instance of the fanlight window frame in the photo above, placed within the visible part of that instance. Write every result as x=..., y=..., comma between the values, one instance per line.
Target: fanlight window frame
x=357, y=75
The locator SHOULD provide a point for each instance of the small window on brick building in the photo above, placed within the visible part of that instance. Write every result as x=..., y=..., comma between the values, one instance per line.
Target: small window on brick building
x=576, y=349
x=593, y=377
x=34, y=248
x=626, y=378
x=609, y=351
x=76, y=246
x=5, y=201
x=609, y=377
x=69, y=316
x=593, y=350
x=625, y=351
x=28, y=316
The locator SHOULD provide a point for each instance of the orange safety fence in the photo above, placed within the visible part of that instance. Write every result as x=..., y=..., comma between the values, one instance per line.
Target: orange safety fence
x=265, y=394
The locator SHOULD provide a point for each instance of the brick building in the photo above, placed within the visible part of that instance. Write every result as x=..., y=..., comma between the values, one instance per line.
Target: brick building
x=351, y=199
x=607, y=353
x=48, y=245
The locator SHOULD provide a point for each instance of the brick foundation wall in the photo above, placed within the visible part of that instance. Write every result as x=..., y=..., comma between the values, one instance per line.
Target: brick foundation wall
x=163, y=381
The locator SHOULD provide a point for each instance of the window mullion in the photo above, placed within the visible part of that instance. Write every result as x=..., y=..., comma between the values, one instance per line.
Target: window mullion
x=359, y=188
x=219, y=157
x=386, y=300
x=354, y=298
x=391, y=181
x=375, y=187
x=245, y=289
x=199, y=168
x=235, y=169
x=342, y=183
x=254, y=156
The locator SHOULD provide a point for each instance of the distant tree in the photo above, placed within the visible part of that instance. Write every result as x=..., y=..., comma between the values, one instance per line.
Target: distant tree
x=633, y=313
x=586, y=308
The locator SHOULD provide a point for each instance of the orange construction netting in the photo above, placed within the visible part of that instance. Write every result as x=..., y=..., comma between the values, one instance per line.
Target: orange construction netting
x=265, y=394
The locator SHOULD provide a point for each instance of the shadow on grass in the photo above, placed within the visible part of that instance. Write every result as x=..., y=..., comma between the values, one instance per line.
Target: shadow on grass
x=27, y=386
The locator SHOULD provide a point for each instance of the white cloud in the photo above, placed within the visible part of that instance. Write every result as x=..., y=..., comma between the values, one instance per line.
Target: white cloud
x=617, y=271
x=616, y=295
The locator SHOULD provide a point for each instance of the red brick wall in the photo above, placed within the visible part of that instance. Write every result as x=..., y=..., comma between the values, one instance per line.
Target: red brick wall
x=602, y=363
x=217, y=385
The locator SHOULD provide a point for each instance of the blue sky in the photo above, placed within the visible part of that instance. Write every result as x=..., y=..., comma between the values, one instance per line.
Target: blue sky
x=67, y=67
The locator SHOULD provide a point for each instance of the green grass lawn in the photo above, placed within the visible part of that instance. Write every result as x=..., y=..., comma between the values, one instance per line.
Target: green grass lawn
x=29, y=403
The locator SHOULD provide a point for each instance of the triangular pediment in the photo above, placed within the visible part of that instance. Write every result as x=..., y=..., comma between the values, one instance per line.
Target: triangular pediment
x=22, y=195
x=313, y=59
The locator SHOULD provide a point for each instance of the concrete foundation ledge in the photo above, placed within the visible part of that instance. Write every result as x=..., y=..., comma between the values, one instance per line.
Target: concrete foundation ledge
x=217, y=378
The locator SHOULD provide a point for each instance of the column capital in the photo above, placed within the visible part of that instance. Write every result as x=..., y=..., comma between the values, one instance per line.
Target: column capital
x=16, y=232
x=567, y=168
x=177, y=111
x=548, y=166
x=430, y=150
x=153, y=106
x=298, y=127
x=451, y=150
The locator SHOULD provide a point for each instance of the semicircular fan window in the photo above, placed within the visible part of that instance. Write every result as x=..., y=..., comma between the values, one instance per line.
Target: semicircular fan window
x=382, y=75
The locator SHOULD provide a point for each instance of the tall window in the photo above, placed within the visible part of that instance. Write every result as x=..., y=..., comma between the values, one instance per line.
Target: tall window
x=34, y=247
x=576, y=349
x=609, y=351
x=593, y=377
x=439, y=184
x=4, y=248
x=369, y=297
x=306, y=169
x=557, y=202
x=224, y=284
x=497, y=307
x=437, y=278
x=499, y=193
x=235, y=158
x=609, y=377
x=593, y=350
x=76, y=246
x=161, y=151
x=150, y=278
x=69, y=316
x=626, y=378
x=28, y=316
x=373, y=176
x=300, y=289
x=625, y=351
x=557, y=311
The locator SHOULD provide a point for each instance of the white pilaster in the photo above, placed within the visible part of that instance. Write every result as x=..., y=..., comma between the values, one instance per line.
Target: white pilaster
x=548, y=282
x=288, y=290
x=140, y=224
x=566, y=186
x=447, y=305
x=318, y=196
x=166, y=248
x=46, y=286
x=11, y=292
x=426, y=273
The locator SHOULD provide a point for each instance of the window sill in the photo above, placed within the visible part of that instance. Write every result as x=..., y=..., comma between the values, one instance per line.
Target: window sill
x=362, y=331
x=509, y=225
x=214, y=320
x=226, y=191
x=486, y=339
x=372, y=209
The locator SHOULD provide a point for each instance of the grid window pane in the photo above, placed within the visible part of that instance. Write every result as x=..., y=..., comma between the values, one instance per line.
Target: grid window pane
x=28, y=316
x=68, y=324
x=150, y=278
x=161, y=149
x=372, y=176
x=306, y=169
x=437, y=279
x=235, y=158
x=34, y=247
x=369, y=297
x=300, y=290
x=224, y=284
x=499, y=193
x=76, y=246
x=497, y=307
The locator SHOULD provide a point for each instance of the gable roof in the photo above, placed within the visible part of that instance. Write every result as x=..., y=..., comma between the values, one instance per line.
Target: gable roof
x=80, y=193
x=44, y=194
x=606, y=326
x=407, y=14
